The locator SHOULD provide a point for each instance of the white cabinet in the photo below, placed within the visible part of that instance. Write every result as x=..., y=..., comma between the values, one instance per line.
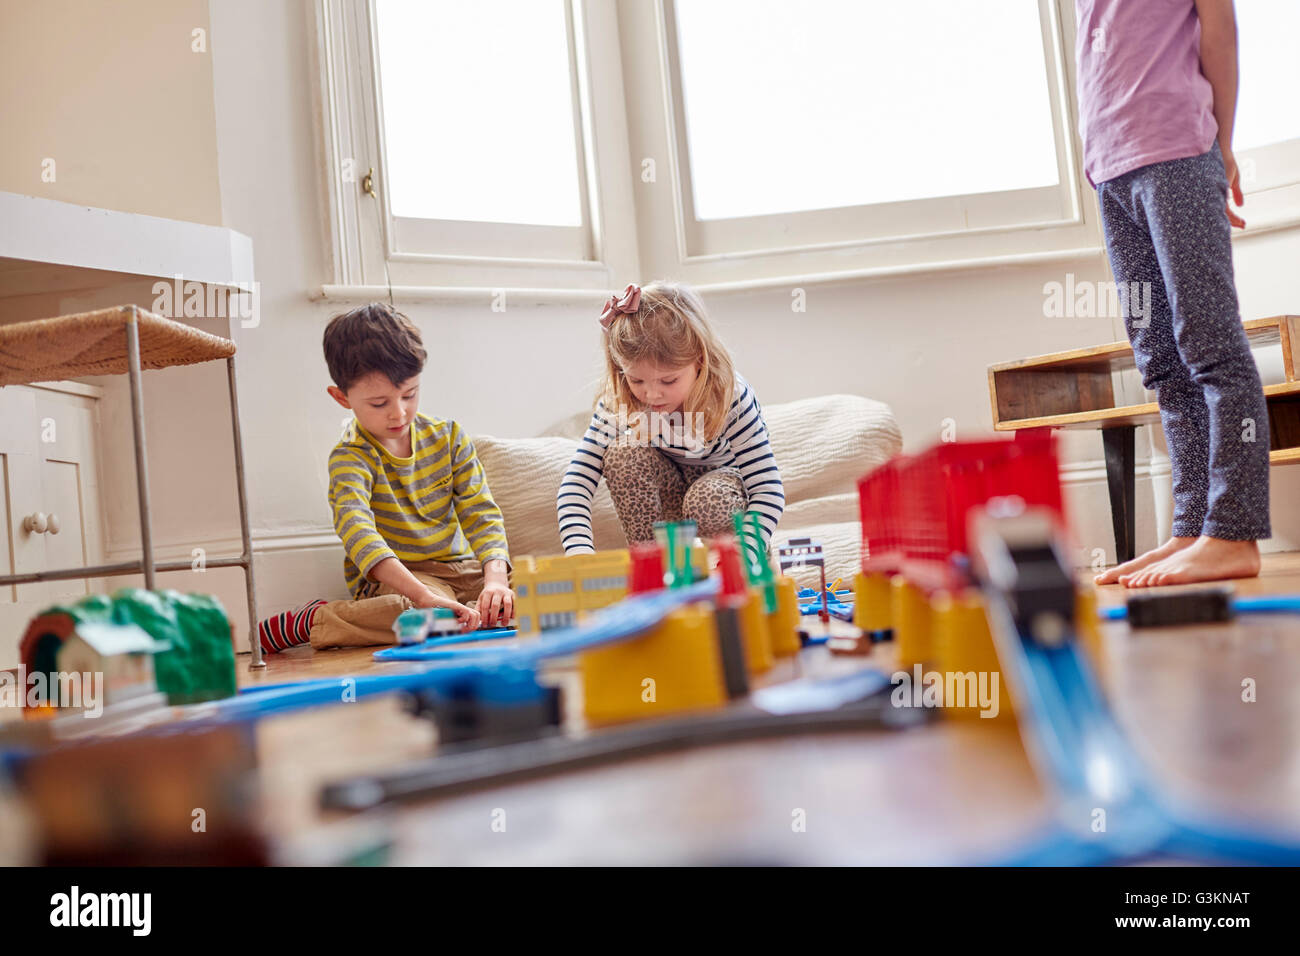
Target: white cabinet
x=49, y=499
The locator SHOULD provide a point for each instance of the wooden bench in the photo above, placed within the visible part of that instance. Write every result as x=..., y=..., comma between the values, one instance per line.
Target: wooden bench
x=1076, y=389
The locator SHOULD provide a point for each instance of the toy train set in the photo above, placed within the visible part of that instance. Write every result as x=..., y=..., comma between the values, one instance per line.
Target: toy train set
x=965, y=572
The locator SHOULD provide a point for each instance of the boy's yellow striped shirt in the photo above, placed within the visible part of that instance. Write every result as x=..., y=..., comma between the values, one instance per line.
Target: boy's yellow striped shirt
x=433, y=506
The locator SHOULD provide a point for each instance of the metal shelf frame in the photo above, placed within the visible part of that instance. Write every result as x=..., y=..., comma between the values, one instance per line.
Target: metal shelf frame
x=146, y=564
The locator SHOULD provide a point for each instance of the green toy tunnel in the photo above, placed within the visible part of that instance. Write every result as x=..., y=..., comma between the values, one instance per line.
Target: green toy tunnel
x=199, y=663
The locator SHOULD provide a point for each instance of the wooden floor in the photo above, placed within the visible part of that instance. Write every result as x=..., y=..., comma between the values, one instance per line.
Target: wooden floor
x=947, y=792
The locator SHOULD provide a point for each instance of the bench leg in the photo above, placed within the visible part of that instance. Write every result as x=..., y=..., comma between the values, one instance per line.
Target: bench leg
x=1120, y=478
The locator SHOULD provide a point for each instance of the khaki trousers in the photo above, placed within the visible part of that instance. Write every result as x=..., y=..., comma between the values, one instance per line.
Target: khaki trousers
x=370, y=620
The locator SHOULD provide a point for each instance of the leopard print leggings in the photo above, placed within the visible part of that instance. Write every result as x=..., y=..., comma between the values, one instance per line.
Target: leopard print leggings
x=646, y=486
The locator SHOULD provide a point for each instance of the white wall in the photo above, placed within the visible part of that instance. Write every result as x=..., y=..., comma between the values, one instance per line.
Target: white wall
x=116, y=95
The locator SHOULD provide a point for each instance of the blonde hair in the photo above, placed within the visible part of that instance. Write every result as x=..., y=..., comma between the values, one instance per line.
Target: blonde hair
x=670, y=329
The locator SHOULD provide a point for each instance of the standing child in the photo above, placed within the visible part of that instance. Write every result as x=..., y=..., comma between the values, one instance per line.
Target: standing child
x=1157, y=96
x=677, y=433
x=410, y=500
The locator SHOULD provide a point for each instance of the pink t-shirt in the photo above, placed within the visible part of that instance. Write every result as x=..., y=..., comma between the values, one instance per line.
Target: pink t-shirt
x=1142, y=96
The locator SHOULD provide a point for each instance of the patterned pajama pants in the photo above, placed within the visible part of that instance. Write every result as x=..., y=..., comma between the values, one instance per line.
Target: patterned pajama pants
x=1166, y=232
x=646, y=486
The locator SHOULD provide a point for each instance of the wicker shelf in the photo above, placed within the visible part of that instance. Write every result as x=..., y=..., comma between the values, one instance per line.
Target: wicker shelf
x=94, y=343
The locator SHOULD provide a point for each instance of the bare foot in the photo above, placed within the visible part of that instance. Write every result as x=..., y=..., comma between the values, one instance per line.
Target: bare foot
x=1172, y=546
x=1209, y=559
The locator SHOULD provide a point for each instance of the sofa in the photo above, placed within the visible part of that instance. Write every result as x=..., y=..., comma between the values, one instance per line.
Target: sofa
x=822, y=446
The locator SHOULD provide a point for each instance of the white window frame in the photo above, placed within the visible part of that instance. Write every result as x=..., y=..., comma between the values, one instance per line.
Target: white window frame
x=1271, y=186
x=1271, y=173
x=1270, y=182
x=371, y=248
x=1278, y=165
x=638, y=220
x=904, y=236
x=1041, y=207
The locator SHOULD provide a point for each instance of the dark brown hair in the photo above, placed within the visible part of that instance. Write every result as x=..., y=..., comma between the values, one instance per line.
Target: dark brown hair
x=373, y=338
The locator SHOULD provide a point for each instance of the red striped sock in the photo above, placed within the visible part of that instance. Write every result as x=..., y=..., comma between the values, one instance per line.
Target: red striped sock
x=288, y=628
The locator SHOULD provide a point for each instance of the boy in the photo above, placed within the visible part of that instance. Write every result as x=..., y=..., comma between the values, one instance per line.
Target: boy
x=410, y=500
x=1157, y=97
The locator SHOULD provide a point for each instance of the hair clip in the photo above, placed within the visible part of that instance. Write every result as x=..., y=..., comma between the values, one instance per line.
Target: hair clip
x=626, y=304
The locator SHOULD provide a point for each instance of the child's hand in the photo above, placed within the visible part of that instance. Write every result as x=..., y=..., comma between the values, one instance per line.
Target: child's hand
x=496, y=605
x=1234, y=186
x=468, y=616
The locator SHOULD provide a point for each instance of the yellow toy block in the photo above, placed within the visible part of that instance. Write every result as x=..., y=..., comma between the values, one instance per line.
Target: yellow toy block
x=872, y=601
x=676, y=667
x=699, y=561
x=966, y=656
x=910, y=612
x=1087, y=627
x=783, y=623
x=758, y=637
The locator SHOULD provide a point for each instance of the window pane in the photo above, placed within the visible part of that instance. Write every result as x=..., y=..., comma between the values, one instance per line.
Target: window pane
x=828, y=103
x=478, y=111
x=1269, y=73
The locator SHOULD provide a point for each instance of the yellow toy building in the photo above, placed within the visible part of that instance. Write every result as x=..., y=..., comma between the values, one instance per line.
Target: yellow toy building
x=559, y=591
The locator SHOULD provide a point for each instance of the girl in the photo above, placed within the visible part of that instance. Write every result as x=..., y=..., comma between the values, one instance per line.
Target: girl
x=677, y=433
x=1157, y=99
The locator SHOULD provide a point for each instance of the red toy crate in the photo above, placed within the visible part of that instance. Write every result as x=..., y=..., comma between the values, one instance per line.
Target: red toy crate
x=882, y=528
x=914, y=509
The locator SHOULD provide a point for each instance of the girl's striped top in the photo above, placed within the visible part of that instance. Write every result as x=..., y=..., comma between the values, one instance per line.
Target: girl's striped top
x=743, y=444
x=433, y=506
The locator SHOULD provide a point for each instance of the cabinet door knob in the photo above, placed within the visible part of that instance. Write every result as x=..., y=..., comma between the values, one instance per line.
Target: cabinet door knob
x=52, y=523
x=35, y=523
